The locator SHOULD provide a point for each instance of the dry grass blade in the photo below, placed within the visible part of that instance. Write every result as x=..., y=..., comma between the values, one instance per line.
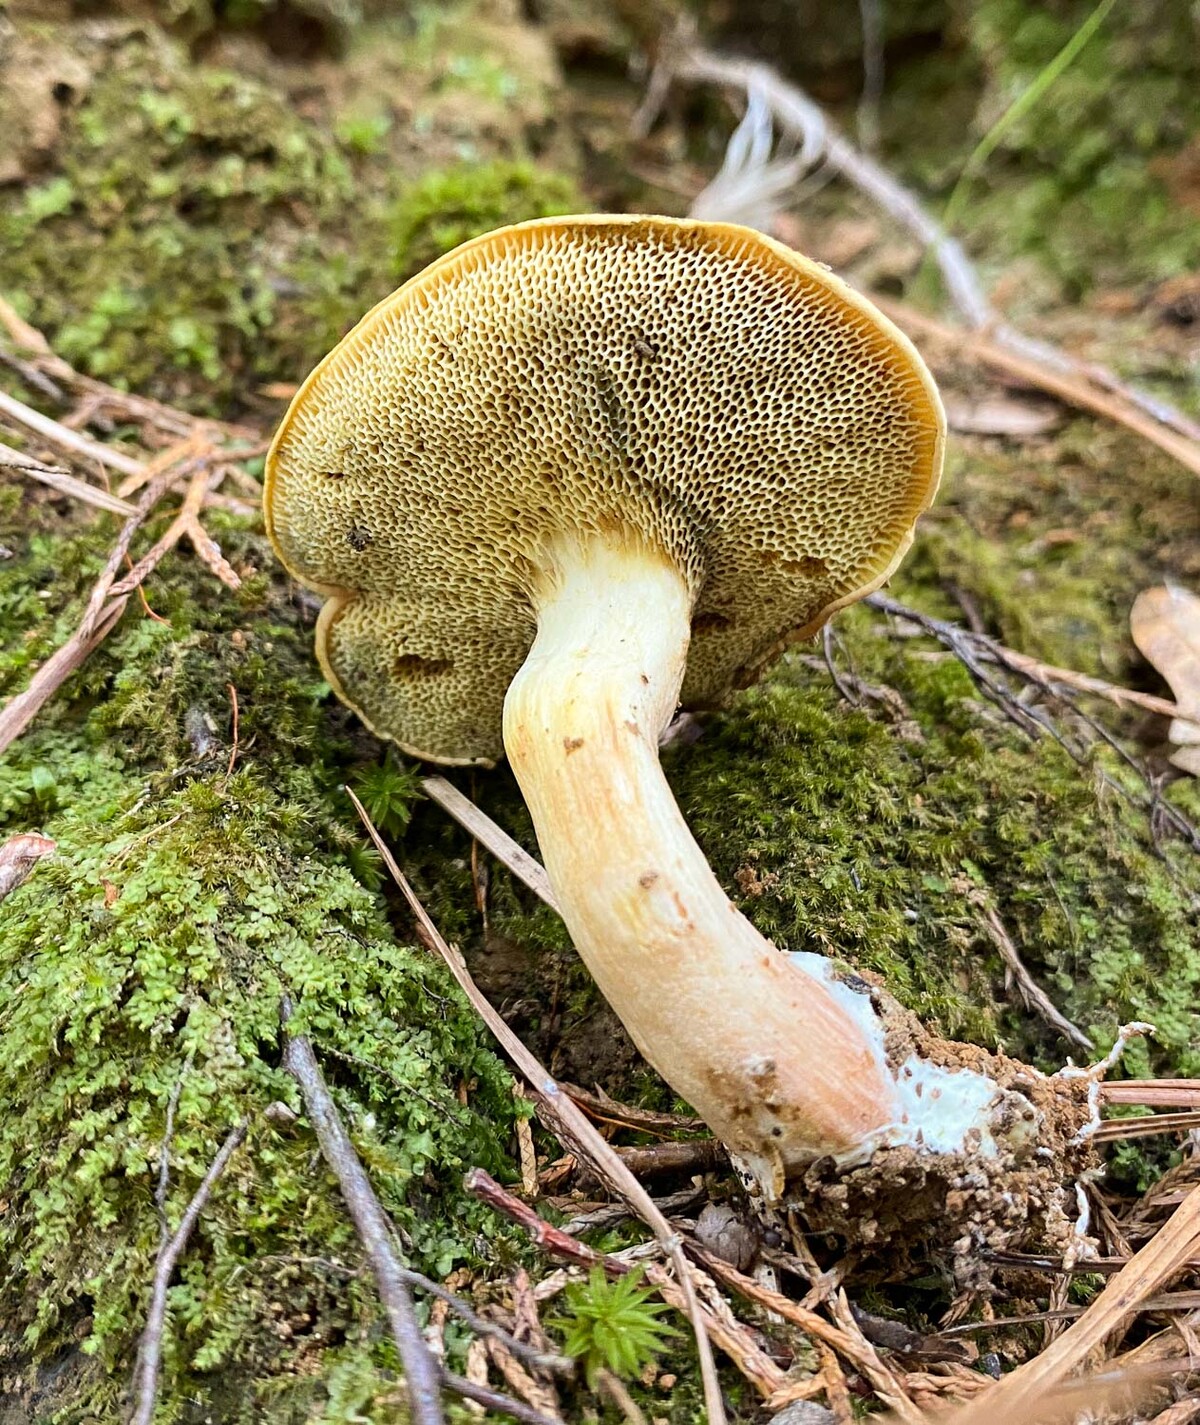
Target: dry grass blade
x=1018, y=1395
x=64, y=482
x=564, y=1117
x=1116, y=1129
x=1153, y=1093
x=485, y=831
x=104, y=607
x=62, y=438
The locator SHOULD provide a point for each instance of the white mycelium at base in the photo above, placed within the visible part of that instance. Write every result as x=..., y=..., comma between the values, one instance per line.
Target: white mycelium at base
x=940, y=1110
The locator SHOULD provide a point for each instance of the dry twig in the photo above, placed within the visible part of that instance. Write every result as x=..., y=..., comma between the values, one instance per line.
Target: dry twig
x=69, y=442
x=1033, y=997
x=1153, y=1093
x=728, y=1334
x=800, y=120
x=150, y=1348
x=975, y=651
x=1067, y=385
x=421, y=1371
x=63, y=481
x=607, y=1110
x=104, y=607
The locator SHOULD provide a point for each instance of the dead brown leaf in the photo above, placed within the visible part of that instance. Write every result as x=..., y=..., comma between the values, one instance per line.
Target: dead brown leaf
x=18, y=856
x=1165, y=623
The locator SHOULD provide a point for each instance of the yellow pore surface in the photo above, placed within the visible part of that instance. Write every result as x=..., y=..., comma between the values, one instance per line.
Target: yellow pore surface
x=692, y=386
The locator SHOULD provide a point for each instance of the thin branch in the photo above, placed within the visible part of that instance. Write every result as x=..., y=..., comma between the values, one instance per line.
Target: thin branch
x=608, y=1110
x=564, y=1117
x=695, y=1155
x=421, y=1371
x=1066, y=383
x=495, y=1401
x=97, y=394
x=1049, y=367
x=973, y=650
x=150, y=1349
x=730, y=1335
x=1032, y=995
x=1120, y=1129
x=540, y=1360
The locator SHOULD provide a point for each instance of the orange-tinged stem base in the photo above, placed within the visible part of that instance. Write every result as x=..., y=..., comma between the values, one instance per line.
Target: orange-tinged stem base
x=766, y=1054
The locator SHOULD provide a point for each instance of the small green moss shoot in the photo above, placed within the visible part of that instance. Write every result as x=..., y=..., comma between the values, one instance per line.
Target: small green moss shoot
x=613, y=1326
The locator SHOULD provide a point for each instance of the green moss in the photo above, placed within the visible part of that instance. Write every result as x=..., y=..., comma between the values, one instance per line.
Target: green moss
x=1083, y=181
x=194, y=242
x=152, y=951
x=883, y=845
x=1091, y=201
x=157, y=253
x=1053, y=546
x=445, y=208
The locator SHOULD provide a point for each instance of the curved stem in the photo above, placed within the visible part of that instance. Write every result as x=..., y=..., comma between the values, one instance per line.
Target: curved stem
x=765, y=1052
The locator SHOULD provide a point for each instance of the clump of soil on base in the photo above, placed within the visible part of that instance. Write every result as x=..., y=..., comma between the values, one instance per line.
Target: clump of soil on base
x=909, y=1207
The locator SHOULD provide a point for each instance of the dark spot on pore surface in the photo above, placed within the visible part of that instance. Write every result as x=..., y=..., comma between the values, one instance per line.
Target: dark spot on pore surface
x=610, y=407
x=710, y=623
x=357, y=537
x=810, y=566
x=412, y=665
x=572, y=744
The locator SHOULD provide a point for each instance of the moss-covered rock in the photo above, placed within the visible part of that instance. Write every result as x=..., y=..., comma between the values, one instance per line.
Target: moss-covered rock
x=200, y=233
x=159, y=249
x=149, y=956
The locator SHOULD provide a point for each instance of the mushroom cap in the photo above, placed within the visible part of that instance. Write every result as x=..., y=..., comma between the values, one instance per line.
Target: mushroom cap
x=695, y=385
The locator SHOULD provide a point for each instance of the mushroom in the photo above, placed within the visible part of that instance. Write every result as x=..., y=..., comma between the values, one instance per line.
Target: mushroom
x=579, y=471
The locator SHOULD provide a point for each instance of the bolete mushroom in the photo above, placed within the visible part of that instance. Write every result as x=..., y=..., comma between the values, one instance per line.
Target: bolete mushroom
x=578, y=471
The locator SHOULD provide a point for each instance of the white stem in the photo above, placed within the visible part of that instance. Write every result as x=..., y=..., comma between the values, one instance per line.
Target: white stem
x=769, y=1055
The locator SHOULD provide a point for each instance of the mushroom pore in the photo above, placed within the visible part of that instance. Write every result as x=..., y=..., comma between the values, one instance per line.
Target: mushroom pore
x=578, y=471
